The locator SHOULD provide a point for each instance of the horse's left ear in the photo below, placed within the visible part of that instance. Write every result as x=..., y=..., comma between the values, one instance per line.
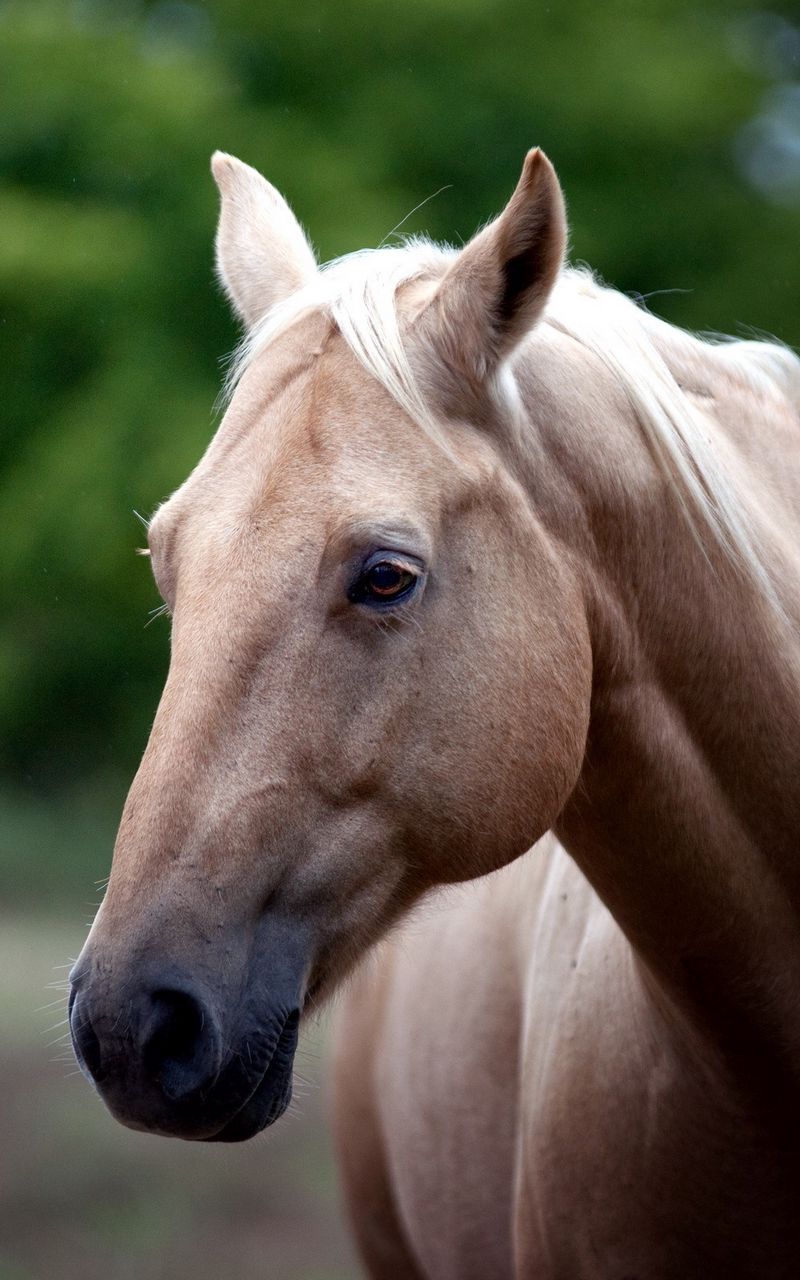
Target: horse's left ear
x=263, y=255
x=499, y=284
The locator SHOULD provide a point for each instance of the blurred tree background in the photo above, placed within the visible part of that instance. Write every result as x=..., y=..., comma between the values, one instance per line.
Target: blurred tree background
x=675, y=128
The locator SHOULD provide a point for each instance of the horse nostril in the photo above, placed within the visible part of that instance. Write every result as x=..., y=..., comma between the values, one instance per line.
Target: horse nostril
x=180, y=1045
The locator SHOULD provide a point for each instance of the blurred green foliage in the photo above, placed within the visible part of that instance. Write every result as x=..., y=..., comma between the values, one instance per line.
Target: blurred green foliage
x=670, y=122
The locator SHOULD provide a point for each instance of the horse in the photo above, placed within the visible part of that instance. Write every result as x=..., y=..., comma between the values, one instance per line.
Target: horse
x=485, y=618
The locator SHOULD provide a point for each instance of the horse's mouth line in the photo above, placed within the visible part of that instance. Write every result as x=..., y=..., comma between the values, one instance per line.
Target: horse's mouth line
x=280, y=1063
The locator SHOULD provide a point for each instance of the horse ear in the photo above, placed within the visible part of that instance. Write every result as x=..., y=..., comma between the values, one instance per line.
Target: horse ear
x=499, y=284
x=263, y=255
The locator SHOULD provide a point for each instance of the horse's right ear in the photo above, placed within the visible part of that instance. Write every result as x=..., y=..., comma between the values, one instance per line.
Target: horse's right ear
x=263, y=255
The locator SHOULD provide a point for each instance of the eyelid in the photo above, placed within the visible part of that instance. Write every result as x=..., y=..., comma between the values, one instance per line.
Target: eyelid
x=385, y=556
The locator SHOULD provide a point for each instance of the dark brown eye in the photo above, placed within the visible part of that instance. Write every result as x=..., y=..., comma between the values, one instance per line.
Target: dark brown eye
x=388, y=579
x=384, y=581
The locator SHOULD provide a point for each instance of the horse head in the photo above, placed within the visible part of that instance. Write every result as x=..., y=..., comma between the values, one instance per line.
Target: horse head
x=380, y=669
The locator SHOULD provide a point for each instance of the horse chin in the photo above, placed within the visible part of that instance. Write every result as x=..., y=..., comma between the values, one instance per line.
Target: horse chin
x=256, y=1116
x=271, y=1097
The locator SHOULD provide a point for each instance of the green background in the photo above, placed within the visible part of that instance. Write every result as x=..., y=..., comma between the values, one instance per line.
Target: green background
x=675, y=128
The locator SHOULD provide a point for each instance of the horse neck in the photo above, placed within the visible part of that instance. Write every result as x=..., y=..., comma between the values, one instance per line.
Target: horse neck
x=686, y=816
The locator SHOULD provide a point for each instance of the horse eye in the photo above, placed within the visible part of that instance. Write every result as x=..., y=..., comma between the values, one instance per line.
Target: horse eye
x=386, y=580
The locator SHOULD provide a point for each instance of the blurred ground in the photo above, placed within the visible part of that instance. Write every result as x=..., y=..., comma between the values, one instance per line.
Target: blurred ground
x=81, y=1198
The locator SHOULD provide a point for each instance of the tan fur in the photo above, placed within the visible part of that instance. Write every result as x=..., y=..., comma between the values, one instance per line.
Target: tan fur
x=586, y=1064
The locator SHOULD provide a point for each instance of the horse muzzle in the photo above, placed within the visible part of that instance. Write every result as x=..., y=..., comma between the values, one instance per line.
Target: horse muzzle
x=177, y=1053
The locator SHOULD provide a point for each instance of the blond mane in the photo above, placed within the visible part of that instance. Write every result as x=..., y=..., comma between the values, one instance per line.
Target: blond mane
x=358, y=292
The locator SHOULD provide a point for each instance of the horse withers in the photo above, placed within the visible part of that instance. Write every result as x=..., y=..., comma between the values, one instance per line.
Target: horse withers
x=481, y=551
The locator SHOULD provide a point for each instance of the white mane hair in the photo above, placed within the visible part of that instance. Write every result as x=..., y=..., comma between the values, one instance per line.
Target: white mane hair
x=358, y=292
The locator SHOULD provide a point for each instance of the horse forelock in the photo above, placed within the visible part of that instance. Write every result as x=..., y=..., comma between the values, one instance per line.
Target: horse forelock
x=360, y=294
